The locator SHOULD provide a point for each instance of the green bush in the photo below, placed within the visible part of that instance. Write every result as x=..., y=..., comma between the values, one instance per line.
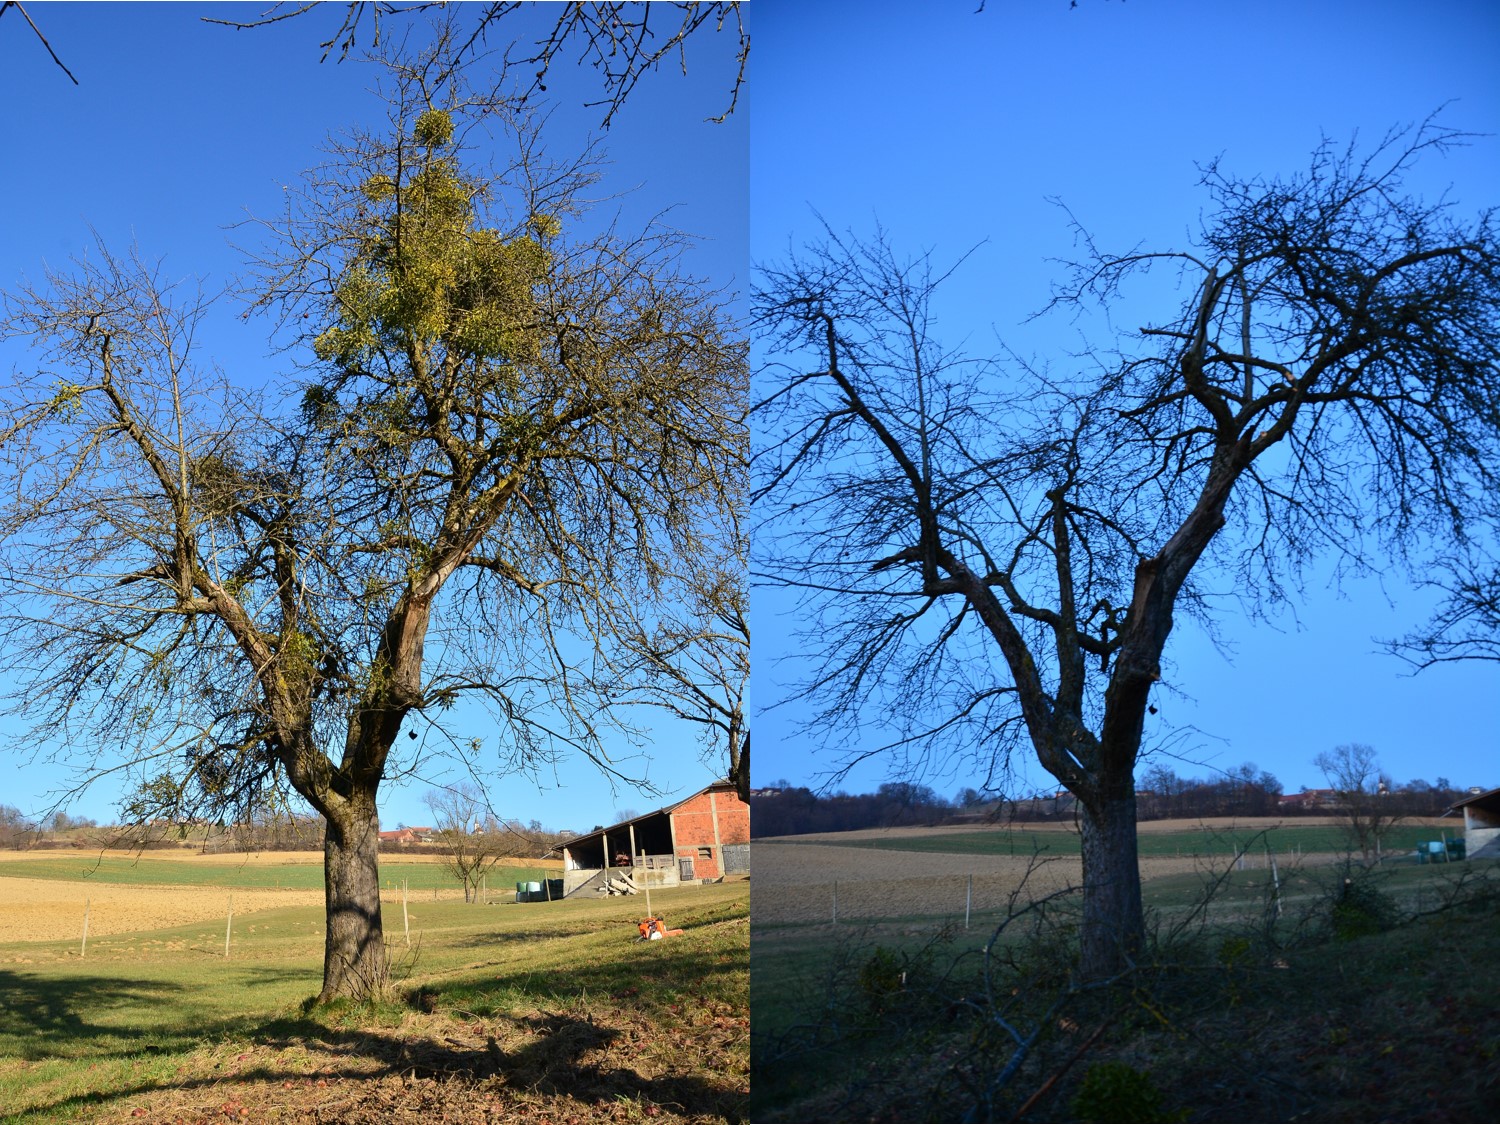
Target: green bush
x=1117, y=1092
x=881, y=979
x=1360, y=908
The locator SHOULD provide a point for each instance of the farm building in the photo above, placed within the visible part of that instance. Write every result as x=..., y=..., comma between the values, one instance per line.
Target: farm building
x=705, y=836
x=1309, y=799
x=1481, y=824
x=408, y=836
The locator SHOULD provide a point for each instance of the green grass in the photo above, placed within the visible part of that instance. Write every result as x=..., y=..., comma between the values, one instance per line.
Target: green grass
x=154, y=1016
x=293, y=874
x=1196, y=842
x=1235, y=1022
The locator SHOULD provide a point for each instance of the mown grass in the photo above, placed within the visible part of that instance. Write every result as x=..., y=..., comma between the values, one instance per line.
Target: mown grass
x=292, y=874
x=485, y=999
x=1283, y=839
x=1322, y=1014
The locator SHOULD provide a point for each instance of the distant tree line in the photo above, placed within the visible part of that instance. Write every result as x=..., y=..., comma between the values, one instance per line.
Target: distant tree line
x=268, y=833
x=791, y=810
x=502, y=836
x=1245, y=791
x=1420, y=798
x=20, y=831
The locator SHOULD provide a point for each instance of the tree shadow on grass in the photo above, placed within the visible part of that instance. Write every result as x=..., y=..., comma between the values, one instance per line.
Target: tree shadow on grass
x=592, y=1055
x=563, y=1056
x=44, y=1017
x=514, y=937
x=269, y=976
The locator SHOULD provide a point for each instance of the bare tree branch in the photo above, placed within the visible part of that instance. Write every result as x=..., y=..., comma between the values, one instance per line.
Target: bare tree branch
x=18, y=6
x=617, y=38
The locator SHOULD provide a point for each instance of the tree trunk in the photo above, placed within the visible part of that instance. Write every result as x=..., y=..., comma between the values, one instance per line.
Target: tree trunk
x=1113, y=926
x=354, y=961
x=739, y=763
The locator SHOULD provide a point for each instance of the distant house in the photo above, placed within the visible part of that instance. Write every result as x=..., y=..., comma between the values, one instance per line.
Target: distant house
x=705, y=836
x=1481, y=823
x=408, y=836
x=1308, y=799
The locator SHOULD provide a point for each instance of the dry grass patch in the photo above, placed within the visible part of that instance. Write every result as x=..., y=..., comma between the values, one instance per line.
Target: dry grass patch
x=794, y=882
x=52, y=910
x=592, y=1061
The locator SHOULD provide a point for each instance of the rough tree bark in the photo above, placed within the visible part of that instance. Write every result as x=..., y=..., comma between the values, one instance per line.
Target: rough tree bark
x=354, y=957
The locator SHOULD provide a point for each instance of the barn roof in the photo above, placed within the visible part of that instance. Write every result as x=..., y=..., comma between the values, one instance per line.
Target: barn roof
x=1489, y=801
x=716, y=787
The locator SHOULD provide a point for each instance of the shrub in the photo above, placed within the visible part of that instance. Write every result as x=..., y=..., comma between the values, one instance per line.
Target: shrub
x=881, y=979
x=1117, y=1092
x=1360, y=908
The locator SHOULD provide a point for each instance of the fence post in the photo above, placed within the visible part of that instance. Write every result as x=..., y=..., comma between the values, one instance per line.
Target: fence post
x=405, y=920
x=83, y=948
x=968, y=902
x=835, y=902
x=1275, y=879
x=228, y=925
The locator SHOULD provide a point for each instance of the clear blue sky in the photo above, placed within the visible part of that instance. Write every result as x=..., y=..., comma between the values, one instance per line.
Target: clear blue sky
x=952, y=128
x=179, y=129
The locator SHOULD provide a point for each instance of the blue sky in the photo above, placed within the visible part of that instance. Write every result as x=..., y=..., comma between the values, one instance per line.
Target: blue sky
x=179, y=129
x=953, y=129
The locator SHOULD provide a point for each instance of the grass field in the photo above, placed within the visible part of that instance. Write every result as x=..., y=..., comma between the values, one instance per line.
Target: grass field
x=123, y=892
x=1238, y=1010
x=535, y=1012
x=1226, y=840
x=291, y=870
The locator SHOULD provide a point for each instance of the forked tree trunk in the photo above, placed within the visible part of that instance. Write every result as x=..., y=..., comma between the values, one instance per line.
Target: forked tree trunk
x=354, y=960
x=1113, y=929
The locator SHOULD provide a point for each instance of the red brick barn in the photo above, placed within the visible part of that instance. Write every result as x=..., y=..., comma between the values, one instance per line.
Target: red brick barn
x=705, y=836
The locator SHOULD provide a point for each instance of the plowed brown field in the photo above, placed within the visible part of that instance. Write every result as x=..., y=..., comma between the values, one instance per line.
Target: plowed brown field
x=795, y=882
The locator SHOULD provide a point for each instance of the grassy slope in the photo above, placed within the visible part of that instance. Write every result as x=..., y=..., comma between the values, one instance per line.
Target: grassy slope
x=1397, y=1025
x=147, y=870
x=161, y=1022
x=999, y=841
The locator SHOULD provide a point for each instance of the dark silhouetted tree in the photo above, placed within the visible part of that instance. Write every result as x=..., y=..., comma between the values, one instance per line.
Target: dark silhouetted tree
x=992, y=557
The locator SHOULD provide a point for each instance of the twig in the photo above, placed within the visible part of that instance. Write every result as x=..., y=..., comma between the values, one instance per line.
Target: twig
x=1062, y=1070
x=18, y=6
